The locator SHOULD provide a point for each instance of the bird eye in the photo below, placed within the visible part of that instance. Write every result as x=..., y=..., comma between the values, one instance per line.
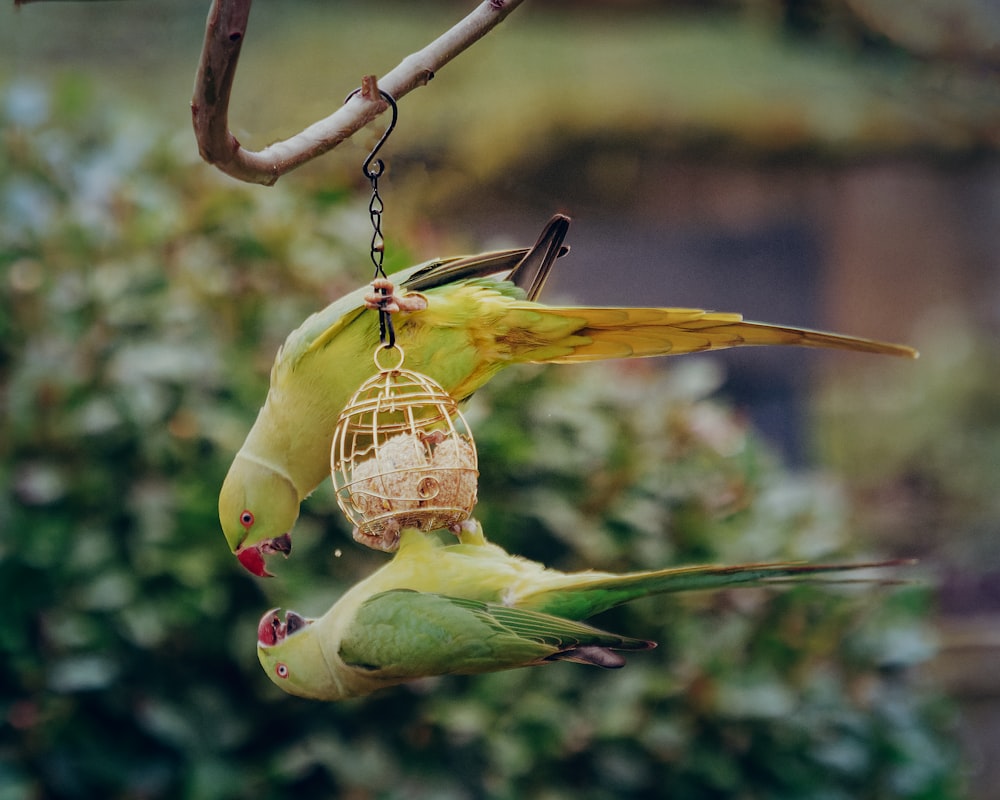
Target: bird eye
x=281, y=671
x=246, y=519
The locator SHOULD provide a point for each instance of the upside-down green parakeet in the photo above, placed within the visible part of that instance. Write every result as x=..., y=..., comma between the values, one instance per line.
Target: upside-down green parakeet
x=470, y=608
x=458, y=321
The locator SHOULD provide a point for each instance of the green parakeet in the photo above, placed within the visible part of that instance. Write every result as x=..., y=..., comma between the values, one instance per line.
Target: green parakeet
x=459, y=321
x=470, y=608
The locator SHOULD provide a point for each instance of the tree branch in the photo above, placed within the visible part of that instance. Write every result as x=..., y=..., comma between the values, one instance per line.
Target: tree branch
x=224, y=33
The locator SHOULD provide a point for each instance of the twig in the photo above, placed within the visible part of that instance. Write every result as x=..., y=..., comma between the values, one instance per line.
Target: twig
x=224, y=33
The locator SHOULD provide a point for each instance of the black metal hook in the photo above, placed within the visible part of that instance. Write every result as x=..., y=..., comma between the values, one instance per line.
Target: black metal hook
x=374, y=172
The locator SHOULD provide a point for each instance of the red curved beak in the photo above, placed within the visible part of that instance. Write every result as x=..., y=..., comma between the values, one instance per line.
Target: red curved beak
x=252, y=557
x=271, y=630
x=253, y=561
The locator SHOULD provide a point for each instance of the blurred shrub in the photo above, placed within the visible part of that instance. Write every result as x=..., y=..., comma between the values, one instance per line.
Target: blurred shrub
x=143, y=299
x=922, y=456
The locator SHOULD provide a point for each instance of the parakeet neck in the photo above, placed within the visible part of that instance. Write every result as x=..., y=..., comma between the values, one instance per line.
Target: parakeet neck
x=270, y=466
x=269, y=445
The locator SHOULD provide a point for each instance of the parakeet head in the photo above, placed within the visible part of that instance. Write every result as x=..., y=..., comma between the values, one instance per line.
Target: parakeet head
x=257, y=508
x=291, y=654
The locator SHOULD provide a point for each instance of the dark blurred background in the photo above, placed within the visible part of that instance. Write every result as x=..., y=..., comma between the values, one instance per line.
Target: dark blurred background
x=827, y=163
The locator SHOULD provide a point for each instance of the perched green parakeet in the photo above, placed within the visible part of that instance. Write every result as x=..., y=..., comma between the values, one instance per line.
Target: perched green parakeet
x=459, y=321
x=470, y=608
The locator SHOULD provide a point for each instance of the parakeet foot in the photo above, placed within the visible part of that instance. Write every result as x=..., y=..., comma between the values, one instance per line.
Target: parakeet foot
x=387, y=541
x=383, y=297
x=469, y=532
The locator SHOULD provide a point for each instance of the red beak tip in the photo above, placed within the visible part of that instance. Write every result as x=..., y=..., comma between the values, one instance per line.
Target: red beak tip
x=253, y=561
x=270, y=630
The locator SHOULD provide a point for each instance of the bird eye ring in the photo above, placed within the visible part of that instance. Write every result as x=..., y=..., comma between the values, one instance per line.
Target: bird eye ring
x=246, y=519
x=281, y=671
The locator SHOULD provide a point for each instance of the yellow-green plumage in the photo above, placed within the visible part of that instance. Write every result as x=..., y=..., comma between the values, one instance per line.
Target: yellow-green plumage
x=480, y=317
x=470, y=608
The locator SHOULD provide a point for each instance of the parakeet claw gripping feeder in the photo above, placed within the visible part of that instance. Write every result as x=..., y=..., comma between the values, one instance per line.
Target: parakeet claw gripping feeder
x=402, y=457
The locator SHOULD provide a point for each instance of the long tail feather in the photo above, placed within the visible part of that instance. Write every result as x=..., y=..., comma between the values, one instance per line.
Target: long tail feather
x=604, y=657
x=575, y=334
x=594, y=334
x=591, y=594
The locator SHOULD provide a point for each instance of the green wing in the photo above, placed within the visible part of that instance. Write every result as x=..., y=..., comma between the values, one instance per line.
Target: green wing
x=528, y=267
x=407, y=634
x=451, y=270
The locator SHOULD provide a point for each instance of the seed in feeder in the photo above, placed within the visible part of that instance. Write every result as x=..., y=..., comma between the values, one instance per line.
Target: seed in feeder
x=454, y=462
x=386, y=482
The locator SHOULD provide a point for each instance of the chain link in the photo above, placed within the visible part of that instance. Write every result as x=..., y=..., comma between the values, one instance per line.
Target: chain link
x=373, y=168
x=386, y=330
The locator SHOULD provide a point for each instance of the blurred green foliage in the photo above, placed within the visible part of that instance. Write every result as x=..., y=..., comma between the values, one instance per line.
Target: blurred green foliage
x=143, y=297
x=936, y=437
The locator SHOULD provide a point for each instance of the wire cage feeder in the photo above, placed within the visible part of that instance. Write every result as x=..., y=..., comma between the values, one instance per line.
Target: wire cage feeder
x=402, y=457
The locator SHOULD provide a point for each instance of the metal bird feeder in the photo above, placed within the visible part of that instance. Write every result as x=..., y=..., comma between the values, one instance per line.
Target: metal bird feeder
x=402, y=457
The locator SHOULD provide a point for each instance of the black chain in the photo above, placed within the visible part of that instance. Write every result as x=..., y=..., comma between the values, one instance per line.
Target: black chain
x=373, y=169
x=386, y=331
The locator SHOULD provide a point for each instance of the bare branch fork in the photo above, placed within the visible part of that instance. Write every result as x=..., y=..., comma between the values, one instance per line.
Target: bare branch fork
x=224, y=34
